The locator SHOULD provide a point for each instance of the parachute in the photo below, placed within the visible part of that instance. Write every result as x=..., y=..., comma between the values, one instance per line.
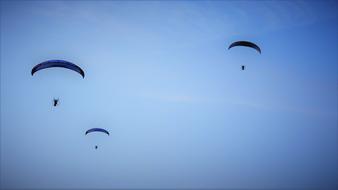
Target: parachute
x=58, y=63
x=246, y=44
x=97, y=130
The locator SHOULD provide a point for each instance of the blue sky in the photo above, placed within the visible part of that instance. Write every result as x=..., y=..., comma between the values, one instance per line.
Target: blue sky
x=159, y=77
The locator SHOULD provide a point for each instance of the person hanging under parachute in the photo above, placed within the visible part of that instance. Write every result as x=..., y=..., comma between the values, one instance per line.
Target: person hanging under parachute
x=57, y=64
x=245, y=44
x=99, y=130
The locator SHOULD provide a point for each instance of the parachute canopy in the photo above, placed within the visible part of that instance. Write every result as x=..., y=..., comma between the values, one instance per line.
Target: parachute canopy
x=97, y=130
x=58, y=63
x=246, y=44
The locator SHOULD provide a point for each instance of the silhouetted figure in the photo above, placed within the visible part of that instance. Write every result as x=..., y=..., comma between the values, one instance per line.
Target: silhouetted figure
x=243, y=67
x=96, y=147
x=56, y=102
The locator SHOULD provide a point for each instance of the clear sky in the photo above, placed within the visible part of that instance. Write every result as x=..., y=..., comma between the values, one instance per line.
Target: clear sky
x=180, y=112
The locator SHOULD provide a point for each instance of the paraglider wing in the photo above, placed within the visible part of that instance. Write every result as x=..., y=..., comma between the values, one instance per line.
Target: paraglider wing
x=97, y=130
x=58, y=63
x=246, y=44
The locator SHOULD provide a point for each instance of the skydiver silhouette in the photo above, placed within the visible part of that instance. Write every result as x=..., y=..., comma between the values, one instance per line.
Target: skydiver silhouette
x=56, y=102
x=96, y=147
x=243, y=67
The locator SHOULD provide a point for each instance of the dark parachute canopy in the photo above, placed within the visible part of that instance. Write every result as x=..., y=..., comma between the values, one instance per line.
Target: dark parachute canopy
x=58, y=63
x=246, y=44
x=97, y=130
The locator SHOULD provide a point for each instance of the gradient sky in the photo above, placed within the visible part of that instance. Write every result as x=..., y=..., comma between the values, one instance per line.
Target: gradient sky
x=180, y=112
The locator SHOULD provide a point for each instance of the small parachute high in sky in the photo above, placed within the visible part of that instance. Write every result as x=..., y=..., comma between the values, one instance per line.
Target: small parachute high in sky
x=58, y=63
x=245, y=44
x=100, y=130
x=97, y=130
